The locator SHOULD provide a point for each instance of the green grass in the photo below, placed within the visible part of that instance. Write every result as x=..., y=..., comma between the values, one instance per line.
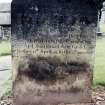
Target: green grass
x=102, y=28
x=5, y=48
x=99, y=70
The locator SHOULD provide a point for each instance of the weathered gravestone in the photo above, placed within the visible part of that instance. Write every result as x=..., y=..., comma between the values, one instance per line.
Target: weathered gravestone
x=53, y=44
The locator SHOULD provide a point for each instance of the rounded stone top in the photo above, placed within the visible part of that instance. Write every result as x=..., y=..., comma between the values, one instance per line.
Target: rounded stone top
x=104, y=4
x=103, y=7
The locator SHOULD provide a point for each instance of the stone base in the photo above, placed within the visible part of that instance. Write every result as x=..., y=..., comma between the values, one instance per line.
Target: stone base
x=53, y=99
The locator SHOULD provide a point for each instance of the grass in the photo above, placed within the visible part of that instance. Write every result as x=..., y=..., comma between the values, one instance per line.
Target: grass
x=99, y=70
x=5, y=48
x=102, y=28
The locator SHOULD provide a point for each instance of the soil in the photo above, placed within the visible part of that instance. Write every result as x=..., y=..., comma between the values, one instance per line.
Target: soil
x=98, y=97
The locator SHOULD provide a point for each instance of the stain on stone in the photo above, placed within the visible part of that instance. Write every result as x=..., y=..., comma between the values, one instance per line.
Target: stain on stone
x=49, y=69
x=75, y=89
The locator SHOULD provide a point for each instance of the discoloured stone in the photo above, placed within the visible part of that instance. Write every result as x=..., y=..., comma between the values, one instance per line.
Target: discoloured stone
x=53, y=49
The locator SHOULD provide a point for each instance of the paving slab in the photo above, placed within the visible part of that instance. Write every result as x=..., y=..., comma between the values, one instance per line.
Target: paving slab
x=5, y=73
x=5, y=63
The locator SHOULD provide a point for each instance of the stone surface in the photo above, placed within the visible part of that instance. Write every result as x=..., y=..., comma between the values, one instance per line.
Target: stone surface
x=97, y=92
x=5, y=63
x=53, y=46
x=5, y=73
x=5, y=7
x=5, y=13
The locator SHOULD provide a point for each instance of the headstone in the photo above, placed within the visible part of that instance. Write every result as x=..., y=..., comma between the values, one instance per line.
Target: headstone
x=103, y=14
x=102, y=20
x=5, y=14
x=53, y=43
